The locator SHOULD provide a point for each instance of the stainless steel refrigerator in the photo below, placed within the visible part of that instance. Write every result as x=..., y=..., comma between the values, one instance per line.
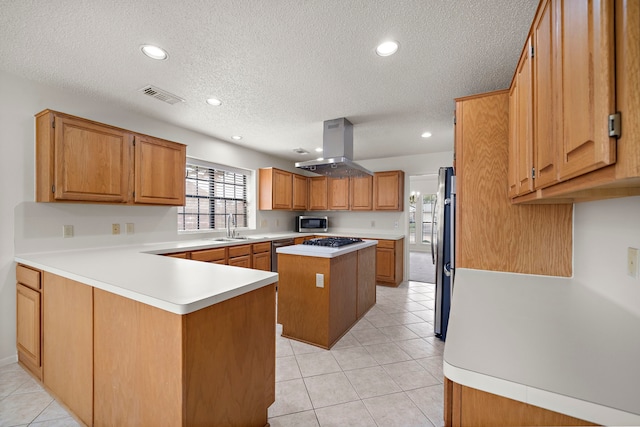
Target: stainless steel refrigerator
x=442, y=248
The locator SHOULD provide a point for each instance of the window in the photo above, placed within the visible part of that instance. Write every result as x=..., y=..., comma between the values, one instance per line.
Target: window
x=213, y=192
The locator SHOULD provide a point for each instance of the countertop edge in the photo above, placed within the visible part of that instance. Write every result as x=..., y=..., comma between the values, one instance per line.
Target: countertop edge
x=563, y=404
x=319, y=251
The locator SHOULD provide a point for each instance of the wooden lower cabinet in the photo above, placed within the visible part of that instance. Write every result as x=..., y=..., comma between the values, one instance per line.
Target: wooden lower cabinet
x=322, y=315
x=67, y=348
x=215, y=366
x=390, y=262
x=470, y=407
x=29, y=319
x=261, y=256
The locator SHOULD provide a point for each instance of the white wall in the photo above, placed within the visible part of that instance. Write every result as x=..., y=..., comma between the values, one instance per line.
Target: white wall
x=603, y=231
x=37, y=226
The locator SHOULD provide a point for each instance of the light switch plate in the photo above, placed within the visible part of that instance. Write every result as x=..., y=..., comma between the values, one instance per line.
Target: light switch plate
x=130, y=228
x=319, y=280
x=115, y=228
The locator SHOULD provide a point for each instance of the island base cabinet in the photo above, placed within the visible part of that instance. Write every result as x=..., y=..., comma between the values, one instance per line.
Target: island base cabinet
x=469, y=407
x=67, y=360
x=215, y=366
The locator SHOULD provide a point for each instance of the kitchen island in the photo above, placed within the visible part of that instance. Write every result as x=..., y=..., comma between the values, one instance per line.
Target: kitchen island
x=132, y=338
x=539, y=350
x=323, y=291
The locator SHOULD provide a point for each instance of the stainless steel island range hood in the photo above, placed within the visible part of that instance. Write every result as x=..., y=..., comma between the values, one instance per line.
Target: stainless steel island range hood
x=337, y=146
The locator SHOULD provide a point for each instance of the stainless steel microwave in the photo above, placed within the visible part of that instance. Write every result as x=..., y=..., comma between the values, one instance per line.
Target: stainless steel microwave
x=307, y=224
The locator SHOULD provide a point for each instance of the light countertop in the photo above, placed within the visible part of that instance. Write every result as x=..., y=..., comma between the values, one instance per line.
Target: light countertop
x=325, y=251
x=547, y=341
x=176, y=285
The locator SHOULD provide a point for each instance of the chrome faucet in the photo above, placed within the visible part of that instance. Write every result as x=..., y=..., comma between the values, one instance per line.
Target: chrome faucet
x=231, y=220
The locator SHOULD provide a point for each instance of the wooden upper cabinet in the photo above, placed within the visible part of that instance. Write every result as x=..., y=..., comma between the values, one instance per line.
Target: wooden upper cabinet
x=586, y=59
x=159, y=171
x=275, y=189
x=338, y=189
x=318, y=193
x=361, y=193
x=388, y=191
x=91, y=162
x=520, y=125
x=513, y=139
x=546, y=115
x=300, y=193
x=84, y=161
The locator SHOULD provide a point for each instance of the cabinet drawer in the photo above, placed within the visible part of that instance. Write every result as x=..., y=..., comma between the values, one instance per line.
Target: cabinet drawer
x=28, y=277
x=210, y=255
x=387, y=244
x=261, y=247
x=240, y=250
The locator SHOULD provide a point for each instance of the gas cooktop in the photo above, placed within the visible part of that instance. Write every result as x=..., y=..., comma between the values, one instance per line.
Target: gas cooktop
x=334, y=242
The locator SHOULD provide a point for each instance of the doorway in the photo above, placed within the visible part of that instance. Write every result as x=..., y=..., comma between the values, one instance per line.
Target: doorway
x=421, y=202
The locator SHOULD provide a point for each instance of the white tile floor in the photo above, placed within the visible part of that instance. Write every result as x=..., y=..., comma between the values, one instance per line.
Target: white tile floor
x=386, y=371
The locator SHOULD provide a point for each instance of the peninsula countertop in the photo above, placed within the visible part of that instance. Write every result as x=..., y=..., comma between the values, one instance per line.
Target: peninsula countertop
x=548, y=341
x=176, y=285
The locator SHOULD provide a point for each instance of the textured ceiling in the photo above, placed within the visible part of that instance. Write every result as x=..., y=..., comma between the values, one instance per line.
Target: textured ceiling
x=281, y=67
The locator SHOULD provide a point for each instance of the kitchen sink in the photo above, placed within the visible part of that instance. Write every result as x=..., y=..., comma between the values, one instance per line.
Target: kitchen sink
x=229, y=239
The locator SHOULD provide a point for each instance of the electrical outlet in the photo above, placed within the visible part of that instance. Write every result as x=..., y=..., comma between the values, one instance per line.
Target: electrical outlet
x=67, y=231
x=632, y=262
x=277, y=223
x=115, y=228
x=373, y=224
x=130, y=228
x=263, y=223
x=319, y=280
x=395, y=224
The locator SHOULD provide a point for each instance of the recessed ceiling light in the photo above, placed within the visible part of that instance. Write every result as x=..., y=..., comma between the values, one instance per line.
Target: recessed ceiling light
x=387, y=48
x=154, y=52
x=318, y=150
x=426, y=135
x=214, y=101
x=236, y=137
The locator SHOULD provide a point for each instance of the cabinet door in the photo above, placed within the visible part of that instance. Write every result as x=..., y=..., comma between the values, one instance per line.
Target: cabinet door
x=361, y=193
x=92, y=162
x=513, y=139
x=545, y=141
x=159, y=171
x=385, y=264
x=318, y=194
x=300, y=187
x=524, y=122
x=282, y=189
x=338, y=193
x=262, y=261
x=388, y=191
x=585, y=51
x=28, y=324
x=241, y=261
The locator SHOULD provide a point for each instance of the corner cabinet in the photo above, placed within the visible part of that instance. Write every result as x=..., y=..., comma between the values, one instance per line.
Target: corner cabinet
x=388, y=191
x=585, y=102
x=79, y=160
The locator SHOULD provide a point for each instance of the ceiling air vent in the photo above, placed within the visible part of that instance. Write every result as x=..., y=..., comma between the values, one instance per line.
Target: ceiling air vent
x=300, y=151
x=160, y=94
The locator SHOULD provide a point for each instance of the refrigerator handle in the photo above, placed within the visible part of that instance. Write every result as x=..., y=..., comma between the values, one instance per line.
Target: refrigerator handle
x=433, y=226
x=452, y=245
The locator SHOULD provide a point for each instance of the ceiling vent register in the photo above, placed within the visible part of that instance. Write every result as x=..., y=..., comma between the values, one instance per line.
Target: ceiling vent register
x=162, y=95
